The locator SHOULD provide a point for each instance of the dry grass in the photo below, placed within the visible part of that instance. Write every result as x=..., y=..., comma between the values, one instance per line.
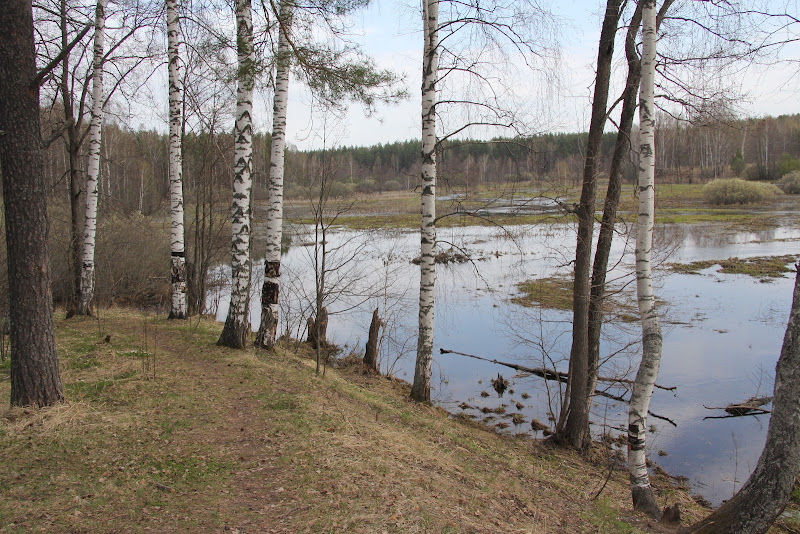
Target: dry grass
x=247, y=441
x=555, y=292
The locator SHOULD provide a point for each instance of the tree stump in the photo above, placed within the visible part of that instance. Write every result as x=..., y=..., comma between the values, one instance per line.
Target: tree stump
x=371, y=352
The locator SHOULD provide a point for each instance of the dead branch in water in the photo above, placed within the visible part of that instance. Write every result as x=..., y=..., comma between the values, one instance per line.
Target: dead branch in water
x=547, y=374
x=752, y=406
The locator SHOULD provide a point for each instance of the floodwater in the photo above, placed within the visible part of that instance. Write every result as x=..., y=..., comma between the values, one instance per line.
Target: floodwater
x=722, y=333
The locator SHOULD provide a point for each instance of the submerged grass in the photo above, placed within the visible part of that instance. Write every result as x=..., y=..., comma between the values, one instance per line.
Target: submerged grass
x=249, y=441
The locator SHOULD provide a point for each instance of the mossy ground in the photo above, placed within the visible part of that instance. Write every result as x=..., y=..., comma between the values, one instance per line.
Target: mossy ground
x=164, y=431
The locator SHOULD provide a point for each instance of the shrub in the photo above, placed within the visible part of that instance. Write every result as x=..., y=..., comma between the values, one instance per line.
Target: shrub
x=367, y=186
x=790, y=183
x=737, y=191
x=392, y=185
x=339, y=190
x=131, y=258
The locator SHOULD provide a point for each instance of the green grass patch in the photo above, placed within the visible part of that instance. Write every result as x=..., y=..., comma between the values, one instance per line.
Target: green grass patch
x=88, y=361
x=606, y=518
x=87, y=391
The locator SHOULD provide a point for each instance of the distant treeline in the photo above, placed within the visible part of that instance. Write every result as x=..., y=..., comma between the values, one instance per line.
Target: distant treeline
x=134, y=163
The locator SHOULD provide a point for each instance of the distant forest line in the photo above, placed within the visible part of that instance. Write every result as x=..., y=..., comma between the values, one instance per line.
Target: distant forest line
x=134, y=163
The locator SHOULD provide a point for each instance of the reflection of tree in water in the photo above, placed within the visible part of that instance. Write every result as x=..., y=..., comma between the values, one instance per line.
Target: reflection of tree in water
x=720, y=235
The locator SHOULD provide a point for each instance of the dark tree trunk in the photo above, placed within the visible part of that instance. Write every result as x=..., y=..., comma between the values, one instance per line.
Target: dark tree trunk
x=73, y=146
x=765, y=494
x=606, y=235
x=573, y=425
x=318, y=329
x=371, y=352
x=35, y=378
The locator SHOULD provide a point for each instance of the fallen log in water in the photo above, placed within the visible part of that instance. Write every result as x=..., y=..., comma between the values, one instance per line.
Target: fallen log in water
x=550, y=374
x=752, y=406
x=547, y=374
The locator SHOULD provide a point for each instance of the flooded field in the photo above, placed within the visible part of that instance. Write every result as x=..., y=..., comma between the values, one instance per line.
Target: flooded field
x=722, y=332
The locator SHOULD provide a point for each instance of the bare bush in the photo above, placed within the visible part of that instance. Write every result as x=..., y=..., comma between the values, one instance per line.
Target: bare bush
x=131, y=255
x=790, y=183
x=738, y=191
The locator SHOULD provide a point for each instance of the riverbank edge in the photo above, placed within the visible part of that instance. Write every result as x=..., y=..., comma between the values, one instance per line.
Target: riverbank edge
x=164, y=430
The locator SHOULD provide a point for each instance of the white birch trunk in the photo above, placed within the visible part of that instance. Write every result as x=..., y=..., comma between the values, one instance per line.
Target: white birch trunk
x=237, y=326
x=421, y=390
x=272, y=260
x=643, y=498
x=93, y=169
x=178, y=254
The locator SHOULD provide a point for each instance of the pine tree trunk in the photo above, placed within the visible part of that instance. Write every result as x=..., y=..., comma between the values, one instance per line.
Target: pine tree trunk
x=267, y=331
x=93, y=169
x=178, y=253
x=573, y=425
x=237, y=325
x=768, y=490
x=642, y=492
x=35, y=377
x=421, y=389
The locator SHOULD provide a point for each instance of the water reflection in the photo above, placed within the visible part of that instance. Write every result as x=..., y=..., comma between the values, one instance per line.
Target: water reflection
x=722, y=333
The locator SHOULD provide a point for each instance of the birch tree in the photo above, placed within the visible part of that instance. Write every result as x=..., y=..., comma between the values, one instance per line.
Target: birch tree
x=465, y=53
x=178, y=254
x=272, y=261
x=93, y=167
x=421, y=389
x=642, y=492
x=237, y=325
x=35, y=377
x=334, y=74
x=586, y=336
x=61, y=27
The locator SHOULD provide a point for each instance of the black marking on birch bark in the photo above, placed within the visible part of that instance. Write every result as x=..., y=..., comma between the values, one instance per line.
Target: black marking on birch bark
x=269, y=292
x=272, y=269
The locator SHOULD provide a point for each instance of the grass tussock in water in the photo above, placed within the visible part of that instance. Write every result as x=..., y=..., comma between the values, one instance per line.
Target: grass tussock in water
x=166, y=432
x=757, y=267
x=556, y=293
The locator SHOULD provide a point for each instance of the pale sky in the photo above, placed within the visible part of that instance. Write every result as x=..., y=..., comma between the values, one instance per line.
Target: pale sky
x=390, y=32
x=392, y=35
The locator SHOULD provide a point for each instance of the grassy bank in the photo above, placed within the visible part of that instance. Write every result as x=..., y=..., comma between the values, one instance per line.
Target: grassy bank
x=164, y=431
x=675, y=203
